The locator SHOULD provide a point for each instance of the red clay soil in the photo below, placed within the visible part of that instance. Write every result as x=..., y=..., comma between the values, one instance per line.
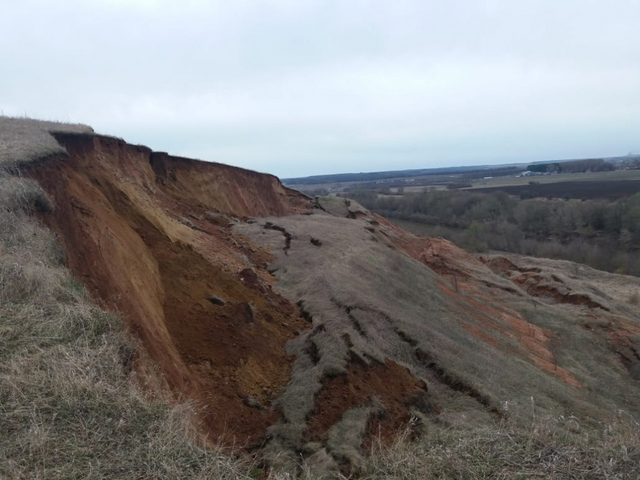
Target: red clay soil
x=125, y=236
x=501, y=265
x=486, y=318
x=391, y=383
x=440, y=255
x=494, y=323
x=535, y=285
x=224, y=188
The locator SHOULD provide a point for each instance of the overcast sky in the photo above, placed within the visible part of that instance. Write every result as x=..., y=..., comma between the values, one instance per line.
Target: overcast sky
x=296, y=87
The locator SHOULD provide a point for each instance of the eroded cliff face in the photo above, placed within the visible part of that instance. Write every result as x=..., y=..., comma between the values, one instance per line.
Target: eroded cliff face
x=148, y=234
x=309, y=327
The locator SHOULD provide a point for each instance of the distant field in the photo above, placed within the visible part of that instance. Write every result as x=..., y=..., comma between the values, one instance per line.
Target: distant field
x=587, y=190
x=418, y=188
x=616, y=175
x=610, y=185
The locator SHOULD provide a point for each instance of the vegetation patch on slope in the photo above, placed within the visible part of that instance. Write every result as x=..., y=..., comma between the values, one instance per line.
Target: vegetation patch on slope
x=23, y=140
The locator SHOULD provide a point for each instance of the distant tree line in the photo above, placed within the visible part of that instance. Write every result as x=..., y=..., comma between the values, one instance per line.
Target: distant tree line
x=573, y=166
x=604, y=235
x=472, y=172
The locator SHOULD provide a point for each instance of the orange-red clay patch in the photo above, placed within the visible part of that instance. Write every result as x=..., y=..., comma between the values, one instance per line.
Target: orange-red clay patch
x=492, y=321
x=392, y=384
x=497, y=318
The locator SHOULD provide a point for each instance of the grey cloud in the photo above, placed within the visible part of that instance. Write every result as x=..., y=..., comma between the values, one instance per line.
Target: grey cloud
x=296, y=87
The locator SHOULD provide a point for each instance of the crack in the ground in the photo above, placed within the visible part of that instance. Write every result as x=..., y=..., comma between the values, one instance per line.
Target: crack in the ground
x=287, y=236
x=455, y=383
x=406, y=338
x=304, y=313
x=427, y=360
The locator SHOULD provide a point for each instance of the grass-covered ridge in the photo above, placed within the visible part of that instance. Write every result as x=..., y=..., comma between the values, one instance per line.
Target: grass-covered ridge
x=23, y=140
x=528, y=446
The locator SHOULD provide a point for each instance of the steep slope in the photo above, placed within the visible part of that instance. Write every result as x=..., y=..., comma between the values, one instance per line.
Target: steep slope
x=475, y=338
x=308, y=327
x=147, y=247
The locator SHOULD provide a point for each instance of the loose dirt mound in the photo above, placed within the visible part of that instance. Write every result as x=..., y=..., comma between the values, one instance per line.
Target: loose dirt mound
x=394, y=387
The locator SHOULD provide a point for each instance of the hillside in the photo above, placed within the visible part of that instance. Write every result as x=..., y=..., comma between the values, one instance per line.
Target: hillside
x=313, y=331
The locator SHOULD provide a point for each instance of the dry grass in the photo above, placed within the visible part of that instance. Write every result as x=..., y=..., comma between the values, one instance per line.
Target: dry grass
x=23, y=140
x=69, y=405
x=539, y=447
x=527, y=444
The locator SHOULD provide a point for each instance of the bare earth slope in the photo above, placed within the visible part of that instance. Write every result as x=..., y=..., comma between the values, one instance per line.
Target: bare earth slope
x=146, y=246
x=473, y=333
x=307, y=327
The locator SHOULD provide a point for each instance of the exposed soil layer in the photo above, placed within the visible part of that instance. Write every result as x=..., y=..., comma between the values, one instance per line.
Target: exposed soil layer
x=622, y=335
x=537, y=286
x=224, y=188
x=488, y=319
x=492, y=320
x=392, y=385
x=140, y=239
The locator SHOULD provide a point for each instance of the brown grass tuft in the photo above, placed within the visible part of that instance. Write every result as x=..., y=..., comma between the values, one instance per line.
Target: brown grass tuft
x=524, y=446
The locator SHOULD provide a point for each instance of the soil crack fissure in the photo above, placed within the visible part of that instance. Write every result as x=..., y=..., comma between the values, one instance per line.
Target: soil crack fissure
x=287, y=236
